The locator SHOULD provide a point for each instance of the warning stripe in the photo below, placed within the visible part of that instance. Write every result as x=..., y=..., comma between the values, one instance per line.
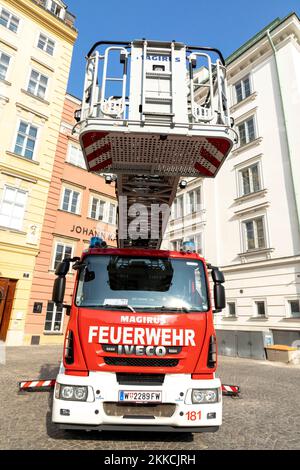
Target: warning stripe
x=90, y=138
x=36, y=384
x=221, y=145
x=209, y=157
x=212, y=155
x=97, y=153
x=49, y=383
x=202, y=170
x=232, y=389
x=214, y=151
x=101, y=165
x=25, y=384
x=96, y=144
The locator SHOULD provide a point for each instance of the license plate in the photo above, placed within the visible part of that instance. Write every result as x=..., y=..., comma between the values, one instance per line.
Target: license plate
x=135, y=396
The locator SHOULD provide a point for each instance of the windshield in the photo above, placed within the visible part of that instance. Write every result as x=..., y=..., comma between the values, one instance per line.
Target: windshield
x=125, y=282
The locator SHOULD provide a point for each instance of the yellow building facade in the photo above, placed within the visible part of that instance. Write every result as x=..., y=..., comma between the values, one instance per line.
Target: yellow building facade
x=36, y=45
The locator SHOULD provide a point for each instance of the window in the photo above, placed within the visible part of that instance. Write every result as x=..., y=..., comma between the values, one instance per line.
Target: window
x=97, y=209
x=197, y=240
x=294, y=306
x=112, y=214
x=194, y=201
x=231, y=309
x=176, y=244
x=260, y=308
x=4, y=63
x=255, y=234
x=75, y=156
x=37, y=84
x=177, y=208
x=199, y=243
x=242, y=89
x=13, y=208
x=26, y=140
x=8, y=20
x=54, y=318
x=250, y=179
x=55, y=8
x=46, y=44
x=247, y=131
x=70, y=201
x=62, y=251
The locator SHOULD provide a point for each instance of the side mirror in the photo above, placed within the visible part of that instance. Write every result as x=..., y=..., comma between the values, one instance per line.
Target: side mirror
x=219, y=291
x=219, y=297
x=59, y=288
x=218, y=276
x=63, y=268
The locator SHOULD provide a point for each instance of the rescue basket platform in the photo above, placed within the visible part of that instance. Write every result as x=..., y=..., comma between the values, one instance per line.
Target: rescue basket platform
x=156, y=108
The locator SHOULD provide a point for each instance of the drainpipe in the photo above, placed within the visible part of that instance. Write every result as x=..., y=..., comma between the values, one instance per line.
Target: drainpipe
x=295, y=184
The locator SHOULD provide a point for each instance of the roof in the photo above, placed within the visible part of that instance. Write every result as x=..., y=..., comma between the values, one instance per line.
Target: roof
x=69, y=94
x=142, y=252
x=255, y=39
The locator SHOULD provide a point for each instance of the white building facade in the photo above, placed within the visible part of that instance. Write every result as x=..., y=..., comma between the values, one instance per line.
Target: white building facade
x=246, y=220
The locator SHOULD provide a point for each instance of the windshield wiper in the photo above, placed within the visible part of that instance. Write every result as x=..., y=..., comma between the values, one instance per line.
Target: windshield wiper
x=120, y=307
x=176, y=309
x=170, y=309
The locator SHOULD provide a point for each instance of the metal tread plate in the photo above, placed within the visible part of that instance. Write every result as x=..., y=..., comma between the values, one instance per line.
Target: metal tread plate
x=156, y=154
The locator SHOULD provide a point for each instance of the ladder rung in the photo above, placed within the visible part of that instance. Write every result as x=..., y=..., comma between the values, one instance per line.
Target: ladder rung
x=160, y=50
x=160, y=74
x=152, y=113
x=200, y=85
x=158, y=99
x=114, y=79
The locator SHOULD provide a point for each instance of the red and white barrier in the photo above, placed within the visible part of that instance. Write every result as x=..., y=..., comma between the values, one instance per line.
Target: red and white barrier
x=230, y=390
x=36, y=384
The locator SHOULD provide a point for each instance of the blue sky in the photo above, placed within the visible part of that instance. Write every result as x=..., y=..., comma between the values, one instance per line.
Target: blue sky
x=219, y=23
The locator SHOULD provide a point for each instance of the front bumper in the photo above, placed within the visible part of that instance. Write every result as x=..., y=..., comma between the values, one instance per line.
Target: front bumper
x=138, y=428
x=103, y=411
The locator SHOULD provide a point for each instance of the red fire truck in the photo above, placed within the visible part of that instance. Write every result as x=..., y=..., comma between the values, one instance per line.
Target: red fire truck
x=140, y=349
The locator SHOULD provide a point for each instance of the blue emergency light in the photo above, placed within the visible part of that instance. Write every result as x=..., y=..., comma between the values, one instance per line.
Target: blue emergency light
x=188, y=247
x=97, y=242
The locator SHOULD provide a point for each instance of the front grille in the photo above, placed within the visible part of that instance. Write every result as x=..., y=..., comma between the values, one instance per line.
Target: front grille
x=161, y=410
x=139, y=362
x=140, y=379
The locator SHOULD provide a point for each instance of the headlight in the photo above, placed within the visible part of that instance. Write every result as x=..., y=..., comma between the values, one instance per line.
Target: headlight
x=66, y=392
x=80, y=393
x=72, y=392
x=205, y=396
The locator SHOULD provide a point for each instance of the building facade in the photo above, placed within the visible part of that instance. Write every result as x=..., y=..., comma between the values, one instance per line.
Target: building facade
x=247, y=220
x=80, y=205
x=36, y=44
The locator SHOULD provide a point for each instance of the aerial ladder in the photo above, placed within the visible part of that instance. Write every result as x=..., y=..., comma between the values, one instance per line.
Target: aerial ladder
x=140, y=349
x=152, y=113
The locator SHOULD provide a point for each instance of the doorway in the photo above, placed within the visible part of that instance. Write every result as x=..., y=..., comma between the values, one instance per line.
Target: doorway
x=7, y=292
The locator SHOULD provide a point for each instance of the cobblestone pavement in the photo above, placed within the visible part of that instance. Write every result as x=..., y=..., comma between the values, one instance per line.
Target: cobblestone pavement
x=267, y=416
